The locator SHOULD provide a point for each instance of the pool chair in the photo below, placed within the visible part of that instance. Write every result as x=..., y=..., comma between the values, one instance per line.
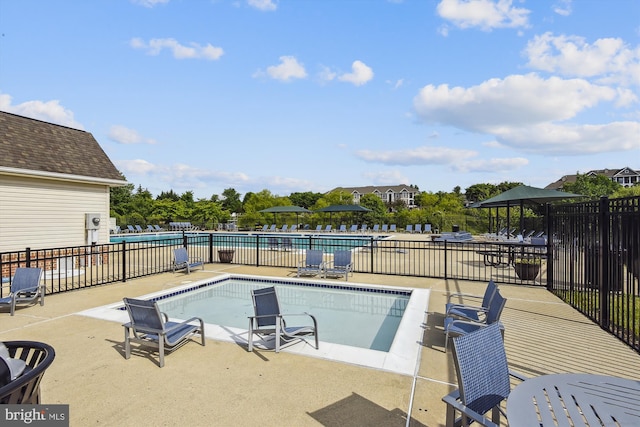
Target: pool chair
x=150, y=228
x=418, y=229
x=139, y=229
x=455, y=327
x=427, y=228
x=319, y=228
x=465, y=309
x=392, y=228
x=376, y=228
x=409, y=228
x=284, y=227
x=342, y=229
x=312, y=265
x=483, y=382
x=130, y=229
x=268, y=322
x=151, y=327
x=272, y=228
x=353, y=228
x=327, y=229
x=340, y=266
x=364, y=228
x=293, y=228
x=156, y=227
x=25, y=288
x=183, y=262
x=34, y=358
x=265, y=228
x=385, y=228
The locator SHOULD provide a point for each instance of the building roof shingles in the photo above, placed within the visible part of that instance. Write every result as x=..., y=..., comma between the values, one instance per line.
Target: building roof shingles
x=35, y=145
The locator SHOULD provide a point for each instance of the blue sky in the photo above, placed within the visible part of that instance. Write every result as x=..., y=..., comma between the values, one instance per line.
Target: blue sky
x=309, y=95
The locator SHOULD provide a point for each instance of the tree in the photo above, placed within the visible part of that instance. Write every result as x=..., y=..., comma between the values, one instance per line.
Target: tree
x=231, y=200
x=305, y=200
x=377, y=206
x=170, y=195
x=593, y=186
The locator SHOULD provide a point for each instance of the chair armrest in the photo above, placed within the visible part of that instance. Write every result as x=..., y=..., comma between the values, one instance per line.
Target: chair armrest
x=452, y=400
x=518, y=375
x=462, y=295
x=467, y=307
x=313, y=318
x=179, y=325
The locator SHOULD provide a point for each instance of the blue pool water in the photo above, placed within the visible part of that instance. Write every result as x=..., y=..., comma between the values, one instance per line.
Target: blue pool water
x=354, y=316
x=266, y=241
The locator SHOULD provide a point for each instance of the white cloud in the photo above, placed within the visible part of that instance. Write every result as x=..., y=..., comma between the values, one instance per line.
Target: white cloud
x=192, y=51
x=288, y=69
x=563, y=7
x=392, y=177
x=360, y=74
x=124, y=135
x=264, y=5
x=47, y=111
x=530, y=113
x=609, y=58
x=424, y=155
x=149, y=3
x=490, y=165
x=395, y=84
x=484, y=14
x=326, y=74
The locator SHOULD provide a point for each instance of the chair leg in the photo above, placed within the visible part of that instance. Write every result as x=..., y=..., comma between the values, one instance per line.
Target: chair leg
x=250, y=337
x=127, y=343
x=161, y=350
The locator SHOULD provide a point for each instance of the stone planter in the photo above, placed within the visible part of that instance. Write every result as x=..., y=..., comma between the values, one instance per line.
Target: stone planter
x=526, y=271
x=226, y=255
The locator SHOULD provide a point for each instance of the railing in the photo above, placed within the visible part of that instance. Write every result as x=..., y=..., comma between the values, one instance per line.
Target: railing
x=596, y=262
x=70, y=268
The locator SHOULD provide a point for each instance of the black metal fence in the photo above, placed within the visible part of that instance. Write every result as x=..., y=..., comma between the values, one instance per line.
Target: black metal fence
x=596, y=262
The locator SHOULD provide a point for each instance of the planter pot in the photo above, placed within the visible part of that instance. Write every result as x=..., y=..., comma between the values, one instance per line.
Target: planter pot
x=226, y=255
x=527, y=271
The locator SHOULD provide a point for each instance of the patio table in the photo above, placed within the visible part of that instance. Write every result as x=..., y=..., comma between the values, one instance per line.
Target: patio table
x=574, y=400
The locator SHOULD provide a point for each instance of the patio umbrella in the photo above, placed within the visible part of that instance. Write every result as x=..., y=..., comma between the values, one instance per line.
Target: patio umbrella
x=343, y=208
x=522, y=194
x=285, y=209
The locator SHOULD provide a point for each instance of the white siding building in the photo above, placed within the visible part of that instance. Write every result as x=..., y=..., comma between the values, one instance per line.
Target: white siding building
x=388, y=194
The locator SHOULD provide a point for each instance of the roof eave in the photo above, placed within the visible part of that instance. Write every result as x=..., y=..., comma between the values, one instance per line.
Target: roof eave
x=61, y=176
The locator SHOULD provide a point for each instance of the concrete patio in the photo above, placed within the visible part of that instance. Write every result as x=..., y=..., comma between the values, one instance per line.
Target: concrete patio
x=222, y=384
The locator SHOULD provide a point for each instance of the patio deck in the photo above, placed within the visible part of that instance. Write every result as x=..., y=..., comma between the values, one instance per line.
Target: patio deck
x=221, y=384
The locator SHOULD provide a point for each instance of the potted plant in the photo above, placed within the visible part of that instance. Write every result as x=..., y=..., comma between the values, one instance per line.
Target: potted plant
x=226, y=255
x=527, y=268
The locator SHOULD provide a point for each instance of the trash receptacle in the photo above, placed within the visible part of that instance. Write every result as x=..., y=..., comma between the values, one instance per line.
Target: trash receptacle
x=455, y=228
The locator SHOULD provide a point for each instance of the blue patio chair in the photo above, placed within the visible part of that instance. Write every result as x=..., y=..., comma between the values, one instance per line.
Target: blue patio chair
x=376, y=228
x=182, y=261
x=342, y=229
x=156, y=227
x=353, y=228
x=466, y=311
x=409, y=228
x=392, y=228
x=327, y=229
x=272, y=228
x=265, y=228
x=483, y=378
x=319, y=228
x=150, y=326
x=312, y=264
x=340, y=266
x=427, y=228
x=385, y=228
x=130, y=229
x=293, y=228
x=418, y=229
x=455, y=327
x=268, y=321
x=150, y=228
x=364, y=228
x=139, y=229
x=25, y=288
x=284, y=227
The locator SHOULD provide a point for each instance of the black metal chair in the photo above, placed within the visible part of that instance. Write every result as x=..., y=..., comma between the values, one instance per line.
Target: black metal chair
x=26, y=388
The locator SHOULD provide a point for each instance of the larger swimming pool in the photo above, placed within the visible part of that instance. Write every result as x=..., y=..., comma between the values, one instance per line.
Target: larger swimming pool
x=369, y=325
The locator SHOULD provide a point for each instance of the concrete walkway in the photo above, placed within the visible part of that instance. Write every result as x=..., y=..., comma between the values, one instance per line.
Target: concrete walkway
x=222, y=384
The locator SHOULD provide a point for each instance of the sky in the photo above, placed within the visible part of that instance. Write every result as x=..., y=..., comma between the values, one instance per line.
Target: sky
x=310, y=95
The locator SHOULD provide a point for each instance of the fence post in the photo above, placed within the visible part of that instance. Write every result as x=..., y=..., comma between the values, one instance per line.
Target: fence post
x=446, y=275
x=124, y=261
x=210, y=247
x=257, y=250
x=603, y=261
x=372, y=249
x=27, y=255
x=548, y=214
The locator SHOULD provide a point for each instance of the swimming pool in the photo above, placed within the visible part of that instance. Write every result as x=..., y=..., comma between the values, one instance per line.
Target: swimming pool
x=374, y=346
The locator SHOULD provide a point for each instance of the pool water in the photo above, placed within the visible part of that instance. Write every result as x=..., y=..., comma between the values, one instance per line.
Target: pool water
x=362, y=319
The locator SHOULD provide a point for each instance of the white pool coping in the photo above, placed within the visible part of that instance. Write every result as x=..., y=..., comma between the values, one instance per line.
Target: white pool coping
x=401, y=358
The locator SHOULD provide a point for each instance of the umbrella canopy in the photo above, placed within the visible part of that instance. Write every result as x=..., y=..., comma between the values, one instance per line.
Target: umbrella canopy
x=343, y=208
x=524, y=194
x=520, y=195
x=285, y=209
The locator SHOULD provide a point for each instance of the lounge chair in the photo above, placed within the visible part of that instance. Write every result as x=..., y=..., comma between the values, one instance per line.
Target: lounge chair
x=265, y=228
x=342, y=229
x=150, y=326
x=409, y=228
x=312, y=265
x=376, y=228
x=454, y=327
x=293, y=228
x=364, y=228
x=385, y=228
x=392, y=228
x=327, y=229
x=268, y=321
x=183, y=262
x=427, y=228
x=273, y=243
x=272, y=228
x=156, y=227
x=150, y=228
x=474, y=312
x=130, y=229
x=139, y=229
x=483, y=381
x=25, y=288
x=286, y=244
x=116, y=230
x=340, y=266
x=418, y=229
x=319, y=228
x=353, y=228
x=284, y=227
